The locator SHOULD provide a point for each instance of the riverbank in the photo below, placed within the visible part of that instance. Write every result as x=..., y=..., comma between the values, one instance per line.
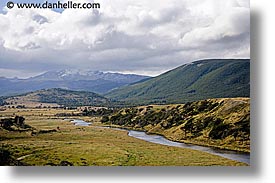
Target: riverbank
x=180, y=141
x=160, y=139
x=92, y=146
x=219, y=123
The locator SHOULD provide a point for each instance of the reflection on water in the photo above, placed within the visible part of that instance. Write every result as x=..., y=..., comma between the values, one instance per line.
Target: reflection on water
x=158, y=139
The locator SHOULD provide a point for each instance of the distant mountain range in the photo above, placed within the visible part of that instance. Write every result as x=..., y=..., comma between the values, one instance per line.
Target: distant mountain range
x=84, y=80
x=199, y=80
x=205, y=79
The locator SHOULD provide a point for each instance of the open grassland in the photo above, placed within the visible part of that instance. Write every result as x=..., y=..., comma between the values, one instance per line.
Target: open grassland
x=92, y=145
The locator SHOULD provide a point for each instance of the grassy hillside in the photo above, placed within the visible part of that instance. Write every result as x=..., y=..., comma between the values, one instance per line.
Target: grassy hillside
x=56, y=97
x=190, y=82
x=223, y=123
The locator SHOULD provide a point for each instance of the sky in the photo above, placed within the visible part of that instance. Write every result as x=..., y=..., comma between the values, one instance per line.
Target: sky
x=126, y=36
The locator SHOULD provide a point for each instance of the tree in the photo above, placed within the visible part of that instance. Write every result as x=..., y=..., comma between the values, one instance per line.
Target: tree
x=19, y=120
x=7, y=123
x=220, y=131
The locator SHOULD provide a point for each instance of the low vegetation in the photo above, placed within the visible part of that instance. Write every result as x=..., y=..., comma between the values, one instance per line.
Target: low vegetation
x=223, y=123
x=6, y=157
x=72, y=145
x=13, y=124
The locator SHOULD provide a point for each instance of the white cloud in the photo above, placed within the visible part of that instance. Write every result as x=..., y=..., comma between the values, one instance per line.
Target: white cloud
x=231, y=23
x=125, y=35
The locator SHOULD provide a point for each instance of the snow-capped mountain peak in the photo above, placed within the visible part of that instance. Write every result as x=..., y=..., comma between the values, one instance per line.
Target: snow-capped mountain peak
x=77, y=74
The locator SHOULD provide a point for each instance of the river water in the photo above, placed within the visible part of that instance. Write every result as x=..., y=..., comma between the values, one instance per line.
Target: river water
x=233, y=155
x=79, y=122
x=158, y=139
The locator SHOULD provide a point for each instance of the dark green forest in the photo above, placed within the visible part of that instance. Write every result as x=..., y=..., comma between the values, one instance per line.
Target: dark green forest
x=217, y=78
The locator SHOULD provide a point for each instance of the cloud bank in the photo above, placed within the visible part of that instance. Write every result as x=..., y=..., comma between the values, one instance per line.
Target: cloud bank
x=145, y=37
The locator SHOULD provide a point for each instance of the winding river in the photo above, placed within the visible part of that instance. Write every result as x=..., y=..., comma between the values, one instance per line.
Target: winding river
x=158, y=139
x=233, y=155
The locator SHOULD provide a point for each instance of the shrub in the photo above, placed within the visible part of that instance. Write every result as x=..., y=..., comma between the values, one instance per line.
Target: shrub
x=104, y=119
x=220, y=131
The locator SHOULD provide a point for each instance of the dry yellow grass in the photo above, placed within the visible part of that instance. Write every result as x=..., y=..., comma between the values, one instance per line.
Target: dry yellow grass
x=93, y=145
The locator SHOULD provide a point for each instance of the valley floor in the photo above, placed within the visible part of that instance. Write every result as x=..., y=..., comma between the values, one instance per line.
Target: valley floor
x=91, y=145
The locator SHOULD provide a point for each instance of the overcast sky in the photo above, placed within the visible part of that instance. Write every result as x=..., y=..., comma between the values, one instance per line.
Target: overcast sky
x=128, y=36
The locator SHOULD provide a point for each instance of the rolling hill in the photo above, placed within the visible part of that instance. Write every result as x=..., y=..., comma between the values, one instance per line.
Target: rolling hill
x=222, y=123
x=204, y=79
x=55, y=97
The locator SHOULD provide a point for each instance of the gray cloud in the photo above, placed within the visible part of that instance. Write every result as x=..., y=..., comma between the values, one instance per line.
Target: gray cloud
x=40, y=19
x=125, y=36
